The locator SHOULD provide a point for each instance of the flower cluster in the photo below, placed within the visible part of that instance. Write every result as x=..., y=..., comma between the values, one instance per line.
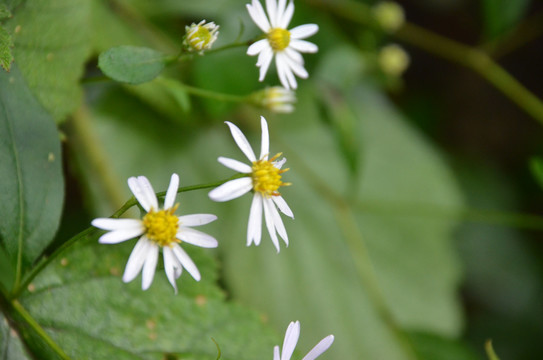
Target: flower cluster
x=161, y=230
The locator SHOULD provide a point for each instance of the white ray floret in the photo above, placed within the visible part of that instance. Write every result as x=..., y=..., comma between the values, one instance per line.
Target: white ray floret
x=285, y=45
x=159, y=228
x=263, y=177
x=291, y=339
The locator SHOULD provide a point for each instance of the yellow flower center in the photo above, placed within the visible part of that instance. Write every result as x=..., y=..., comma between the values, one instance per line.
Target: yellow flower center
x=279, y=39
x=161, y=226
x=266, y=177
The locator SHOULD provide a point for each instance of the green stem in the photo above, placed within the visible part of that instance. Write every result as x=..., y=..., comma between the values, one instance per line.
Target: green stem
x=87, y=233
x=470, y=57
x=23, y=322
x=213, y=95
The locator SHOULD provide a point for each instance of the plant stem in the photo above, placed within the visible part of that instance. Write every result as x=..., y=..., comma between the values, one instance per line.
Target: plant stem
x=212, y=94
x=470, y=57
x=19, y=318
x=87, y=233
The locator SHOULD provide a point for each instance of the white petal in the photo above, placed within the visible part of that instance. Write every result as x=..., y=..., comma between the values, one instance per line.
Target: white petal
x=171, y=266
x=282, y=205
x=117, y=236
x=186, y=261
x=284, y=68
x=296, y=67
x=276, y=355
x=277, y=221
x=281, y=72
x=287, y=16
x=242, y=141
x=294, y=55
x=235, y=165
x=270, y=225
x=265, y=142
x=143, y=191
x=232, y=189
x=264, y=61
x=196, y=219
x=136, y=259
x=257, y=47
x=279, y=12
x=256, y=11
x=291, y=339
x=116, y=224
x=149, y=266
x=172, y=191
x=197, y=238
x=321, y=347
x=303, y=46
x=279, y=163
x=271, y=6
x=254, y=228
x=304, y=31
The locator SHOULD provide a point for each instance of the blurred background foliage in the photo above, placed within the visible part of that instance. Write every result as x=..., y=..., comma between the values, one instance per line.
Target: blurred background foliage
x=412, y=193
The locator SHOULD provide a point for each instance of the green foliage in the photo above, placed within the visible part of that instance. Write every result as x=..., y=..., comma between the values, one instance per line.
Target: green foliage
x=500, y=16
x=536, y=166
x=82, y=303
x=490, y=351
x=51, y=46
x=433, y=347
x=6, y=42
x=30, y=169
x=131, y=64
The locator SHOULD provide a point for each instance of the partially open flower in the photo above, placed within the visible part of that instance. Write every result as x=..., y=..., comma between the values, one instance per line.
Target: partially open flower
x=276, y=98
x=200, y=37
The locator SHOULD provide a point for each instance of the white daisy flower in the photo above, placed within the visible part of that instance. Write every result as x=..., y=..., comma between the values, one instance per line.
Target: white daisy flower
x=264, y=178
x=291, y=339
x=157, y=229
x=285, y=44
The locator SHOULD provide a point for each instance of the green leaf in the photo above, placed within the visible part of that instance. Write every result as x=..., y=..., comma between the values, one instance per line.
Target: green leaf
x=131, y=64
x=51, y=46
x=6, y=44
x=31, y=181
x=434, y=347
x=12, y=347
x=500, y=16
x=81, y=301
x=314, y=280
x=536, y=166
x=4, y=12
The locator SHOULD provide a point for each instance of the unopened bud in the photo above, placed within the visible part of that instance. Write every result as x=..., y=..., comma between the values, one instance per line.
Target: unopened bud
x=389, y=15
x=393, y=60
x=276, y=98
x=200, y=37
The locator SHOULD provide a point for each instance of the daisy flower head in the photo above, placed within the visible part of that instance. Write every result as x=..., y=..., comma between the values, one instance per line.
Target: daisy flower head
x=275, y=98
x=285, y=45
x=263, y=177
x=291, y=339
x=159, y=228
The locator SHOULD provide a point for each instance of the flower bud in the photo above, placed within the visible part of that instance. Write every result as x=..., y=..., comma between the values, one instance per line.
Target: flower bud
x=200, y=37
x=389, y=15
x=393, y=60
x=276, y=98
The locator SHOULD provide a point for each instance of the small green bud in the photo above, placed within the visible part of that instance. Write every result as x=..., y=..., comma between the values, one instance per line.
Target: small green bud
x=393, y=60
x=389, y=15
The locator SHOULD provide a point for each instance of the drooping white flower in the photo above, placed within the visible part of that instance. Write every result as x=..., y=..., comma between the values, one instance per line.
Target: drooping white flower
x=200, y=37
x=159, y=228
x=275, y=98
x=291, y=339
x=285, y=44
x=264, y=178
